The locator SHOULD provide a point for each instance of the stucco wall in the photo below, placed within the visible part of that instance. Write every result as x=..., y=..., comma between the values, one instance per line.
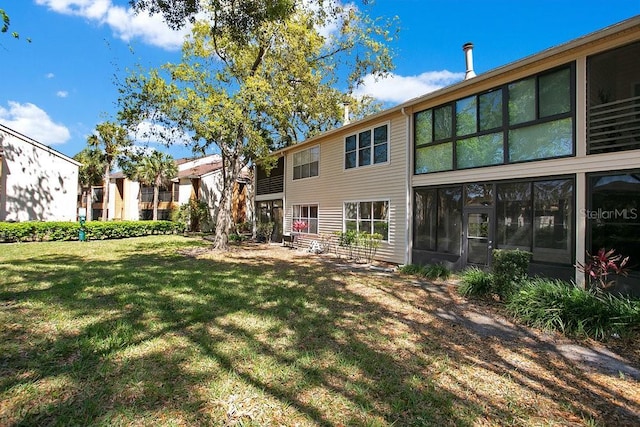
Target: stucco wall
x=37, y=183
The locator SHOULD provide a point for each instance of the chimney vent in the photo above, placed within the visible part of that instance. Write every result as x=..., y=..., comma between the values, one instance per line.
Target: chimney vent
x=468, y=53
x=346, y=120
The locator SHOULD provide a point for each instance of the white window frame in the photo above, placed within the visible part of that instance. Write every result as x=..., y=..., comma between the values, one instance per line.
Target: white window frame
x=372, y=147
x=306, y=219
x=358, y=218
x=298, y=160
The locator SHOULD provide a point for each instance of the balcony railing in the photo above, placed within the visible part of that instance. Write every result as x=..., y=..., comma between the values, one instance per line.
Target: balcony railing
x=614, y=126
x=270, y=185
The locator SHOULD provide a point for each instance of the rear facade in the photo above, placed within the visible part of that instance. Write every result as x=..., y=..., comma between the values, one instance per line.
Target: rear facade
x=542, y=155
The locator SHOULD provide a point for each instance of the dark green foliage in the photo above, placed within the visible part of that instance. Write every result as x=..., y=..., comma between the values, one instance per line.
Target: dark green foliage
x=560, y=306
x=476, y=282
x=95, y=230
x=234, y=237
x=434, y=271
x=195, y=215
x=438, y=271
x=509, y=268
x=411, y=269
x=264, y=230
x=361, y=245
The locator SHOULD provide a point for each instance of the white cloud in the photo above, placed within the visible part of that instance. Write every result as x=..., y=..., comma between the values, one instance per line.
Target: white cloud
x=397, y=89
x=33, y=122
x=124, y=22
x=49, y=75
x=62, y=94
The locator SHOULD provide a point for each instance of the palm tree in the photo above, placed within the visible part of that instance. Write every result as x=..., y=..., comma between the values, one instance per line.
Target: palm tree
x=90, y=173
x=156, y=169
x=111, y=139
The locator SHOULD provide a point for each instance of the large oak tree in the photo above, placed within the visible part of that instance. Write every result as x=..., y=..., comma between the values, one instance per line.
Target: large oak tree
x=283, y=80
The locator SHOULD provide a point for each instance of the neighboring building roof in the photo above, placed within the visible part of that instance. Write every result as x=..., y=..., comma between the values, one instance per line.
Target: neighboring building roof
x=199, y=170
x=522, y=63
x=37, y=144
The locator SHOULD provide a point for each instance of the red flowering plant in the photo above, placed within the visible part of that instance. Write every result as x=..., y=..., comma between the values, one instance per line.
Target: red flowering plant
x=597, y=268
x=298, y=226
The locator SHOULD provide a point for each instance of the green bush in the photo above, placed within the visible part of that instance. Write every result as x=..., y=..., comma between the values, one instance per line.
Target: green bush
x=412, y=269
x=434, y=271
x=264, y=231
x=95, y=230
x=234, y=237
x=437, y=271
x=360, y=244
x=195, y=215
x=509, y=268
x=559, y=306
x=476, y=282
x=368, y=245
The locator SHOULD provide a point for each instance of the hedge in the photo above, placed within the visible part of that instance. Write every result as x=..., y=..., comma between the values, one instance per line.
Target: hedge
x=95, y=230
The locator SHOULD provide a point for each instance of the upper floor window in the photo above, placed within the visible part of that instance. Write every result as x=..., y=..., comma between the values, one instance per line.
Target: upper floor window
x=165, y=194
x=613, y=91
x=367, y=147
x=526, y=120
x=305, y=163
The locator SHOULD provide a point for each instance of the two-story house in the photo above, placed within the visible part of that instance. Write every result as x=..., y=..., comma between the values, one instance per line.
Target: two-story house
x=542, y=154
x=199, y=179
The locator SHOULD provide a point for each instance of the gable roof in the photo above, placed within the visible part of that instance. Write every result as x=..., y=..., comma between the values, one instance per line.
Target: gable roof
x=37, y=144
x=603, y=34
x=200, y=170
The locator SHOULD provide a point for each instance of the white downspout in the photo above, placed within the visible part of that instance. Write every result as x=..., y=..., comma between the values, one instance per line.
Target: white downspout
x=408, y=234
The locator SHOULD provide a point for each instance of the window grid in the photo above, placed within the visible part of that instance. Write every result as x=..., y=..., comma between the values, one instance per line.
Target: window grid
x=475, y=131
x=367, y=217
x=306, y=163
x=368, y=147
x=308, y=214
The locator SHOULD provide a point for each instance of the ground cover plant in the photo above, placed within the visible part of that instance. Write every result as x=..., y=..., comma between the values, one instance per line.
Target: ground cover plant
x=556, y=305
x=432, y=271
x=159, y=331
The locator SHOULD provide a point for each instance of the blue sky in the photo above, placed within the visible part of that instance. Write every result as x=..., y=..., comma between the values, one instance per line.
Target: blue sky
x=57, y=88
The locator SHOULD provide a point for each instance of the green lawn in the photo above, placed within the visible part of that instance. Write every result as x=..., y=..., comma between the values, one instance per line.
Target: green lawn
x=134, y=332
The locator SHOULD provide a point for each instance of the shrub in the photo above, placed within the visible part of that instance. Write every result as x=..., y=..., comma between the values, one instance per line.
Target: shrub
x=437, y=271
x=412, y=269
x=368, y=244
x=476, y=282
x=559, y=306
x=509, y=268
x=95, y=230
x=234, y=237
x=597, y=268
x=434, y=271
x=264, y=230
x=195, y=215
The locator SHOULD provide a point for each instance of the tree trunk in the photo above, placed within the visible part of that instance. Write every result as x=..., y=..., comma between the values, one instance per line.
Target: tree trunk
x=105, y=194
x=230, y=170
x=156, y=196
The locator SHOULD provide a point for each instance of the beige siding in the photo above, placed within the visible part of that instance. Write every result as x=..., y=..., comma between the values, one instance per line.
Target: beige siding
x=393, y=181
x=334, y=185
